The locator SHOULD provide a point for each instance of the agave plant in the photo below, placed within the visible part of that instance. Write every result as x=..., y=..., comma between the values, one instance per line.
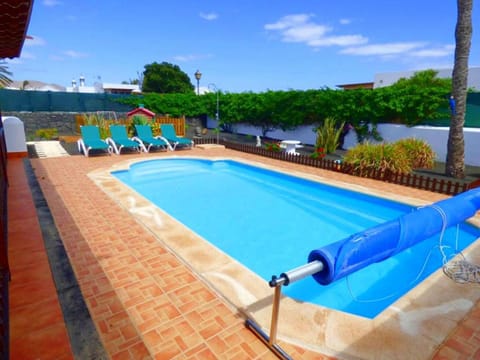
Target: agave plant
x=100, y=121
x=328, y=135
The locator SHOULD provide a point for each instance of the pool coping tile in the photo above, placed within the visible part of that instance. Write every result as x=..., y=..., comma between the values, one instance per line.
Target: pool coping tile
x=119, y=258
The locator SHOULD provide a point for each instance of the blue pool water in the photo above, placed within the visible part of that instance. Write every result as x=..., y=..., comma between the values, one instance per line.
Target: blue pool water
x=270, y=221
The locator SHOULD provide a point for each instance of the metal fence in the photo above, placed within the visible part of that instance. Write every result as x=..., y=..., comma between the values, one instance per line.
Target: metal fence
x=34, y=101
x=472, y=115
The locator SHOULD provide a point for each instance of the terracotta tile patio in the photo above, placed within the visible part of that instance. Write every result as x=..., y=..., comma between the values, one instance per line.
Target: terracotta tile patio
x=144, y=301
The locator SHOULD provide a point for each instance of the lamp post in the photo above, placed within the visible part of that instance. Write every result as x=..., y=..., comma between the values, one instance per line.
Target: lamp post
x=198, y=76
x=217, y=113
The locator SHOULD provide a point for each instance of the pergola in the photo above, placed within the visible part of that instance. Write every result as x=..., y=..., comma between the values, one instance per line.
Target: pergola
x=14, y=20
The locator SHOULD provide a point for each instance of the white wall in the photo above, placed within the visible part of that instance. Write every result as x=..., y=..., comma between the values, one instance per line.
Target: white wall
x=14, y=134
x=437, y=137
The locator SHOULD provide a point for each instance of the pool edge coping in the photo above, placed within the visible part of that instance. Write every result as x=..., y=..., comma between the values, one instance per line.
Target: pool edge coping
x=379, y=335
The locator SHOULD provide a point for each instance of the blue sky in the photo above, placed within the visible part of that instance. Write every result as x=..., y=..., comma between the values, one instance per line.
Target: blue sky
x=246, y=45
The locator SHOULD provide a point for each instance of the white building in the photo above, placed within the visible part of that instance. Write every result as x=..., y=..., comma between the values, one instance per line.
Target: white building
x=111, y=88
x=387, y=79
x=98, y=87
x=81, y=87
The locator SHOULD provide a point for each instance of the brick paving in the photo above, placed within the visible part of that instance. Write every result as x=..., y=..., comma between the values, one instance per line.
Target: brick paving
x=145, y=302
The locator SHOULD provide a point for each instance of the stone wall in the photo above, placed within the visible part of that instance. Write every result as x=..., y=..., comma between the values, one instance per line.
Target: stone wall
x=64, y=122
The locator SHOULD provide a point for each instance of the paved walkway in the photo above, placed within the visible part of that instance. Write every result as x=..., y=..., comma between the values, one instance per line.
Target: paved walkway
x=49, y=149
x=37, y=326
x=145, y=302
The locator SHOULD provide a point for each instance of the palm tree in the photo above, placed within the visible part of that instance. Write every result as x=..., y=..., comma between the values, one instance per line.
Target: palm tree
x=4, y=75
x=455, y=163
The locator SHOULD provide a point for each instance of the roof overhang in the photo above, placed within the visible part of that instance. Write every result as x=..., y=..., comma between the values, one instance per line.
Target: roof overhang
x=14, y=20
x=365, y=85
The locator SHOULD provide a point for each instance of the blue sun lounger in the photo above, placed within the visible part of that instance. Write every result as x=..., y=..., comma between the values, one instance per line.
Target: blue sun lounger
x=168, y=132
x=119, y=140
x=146, y=138
x=91, y=140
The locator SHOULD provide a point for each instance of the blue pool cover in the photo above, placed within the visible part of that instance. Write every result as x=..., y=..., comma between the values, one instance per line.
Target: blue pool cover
x=378, y=243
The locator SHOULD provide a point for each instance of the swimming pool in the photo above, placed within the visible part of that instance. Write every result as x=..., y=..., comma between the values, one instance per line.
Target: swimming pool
x=270, y=221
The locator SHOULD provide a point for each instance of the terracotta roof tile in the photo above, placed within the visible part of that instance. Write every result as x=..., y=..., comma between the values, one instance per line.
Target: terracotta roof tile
x=14, y=19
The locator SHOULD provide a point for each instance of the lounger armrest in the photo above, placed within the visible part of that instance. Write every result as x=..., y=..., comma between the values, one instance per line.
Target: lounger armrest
x=169, y=146
x=110, y=149
x=81, y=147
x=140, y=143
x=112, y=144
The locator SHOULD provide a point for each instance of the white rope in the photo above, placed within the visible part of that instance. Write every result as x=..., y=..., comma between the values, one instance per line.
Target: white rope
x=456, y=267
x=386, y=297
x=462, y=271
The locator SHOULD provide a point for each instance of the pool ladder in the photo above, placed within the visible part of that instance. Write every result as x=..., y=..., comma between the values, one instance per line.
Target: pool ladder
x=285, y=278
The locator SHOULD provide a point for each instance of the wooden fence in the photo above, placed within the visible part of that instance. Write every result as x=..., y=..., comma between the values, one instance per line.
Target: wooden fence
x=441, y=186
x=178, y=123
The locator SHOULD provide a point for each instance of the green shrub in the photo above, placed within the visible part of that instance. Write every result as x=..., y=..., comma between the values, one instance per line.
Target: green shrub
x=328, y=135
x=272, y=146
x=418, y=151
x=318, y=153
x=92, y=119
x=384, y=158
x=47, y=134
x=142, y=120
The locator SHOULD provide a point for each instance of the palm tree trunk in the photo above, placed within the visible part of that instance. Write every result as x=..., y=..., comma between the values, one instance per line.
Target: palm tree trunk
x=455, y=163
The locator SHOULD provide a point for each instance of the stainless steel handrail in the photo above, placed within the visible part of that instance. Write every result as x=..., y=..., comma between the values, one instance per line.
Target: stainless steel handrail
x=285, y=278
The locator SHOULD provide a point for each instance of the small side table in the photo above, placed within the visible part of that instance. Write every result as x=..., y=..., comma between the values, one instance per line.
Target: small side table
x=291, y=146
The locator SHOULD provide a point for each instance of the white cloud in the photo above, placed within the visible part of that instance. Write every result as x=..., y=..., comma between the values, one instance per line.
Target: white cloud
x=300, y=28
x=14, y=61
x=187, y=58
x=34, y=41
x=435, y=52
x=75, y=54
x=305, y=33
x=408, y=52
x=345, y=40
x=209, y=16
x=51, y=3
x=383, y=49
x=289, y=21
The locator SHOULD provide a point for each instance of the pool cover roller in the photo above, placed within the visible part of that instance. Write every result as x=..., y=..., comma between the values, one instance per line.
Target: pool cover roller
x=385, y=240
